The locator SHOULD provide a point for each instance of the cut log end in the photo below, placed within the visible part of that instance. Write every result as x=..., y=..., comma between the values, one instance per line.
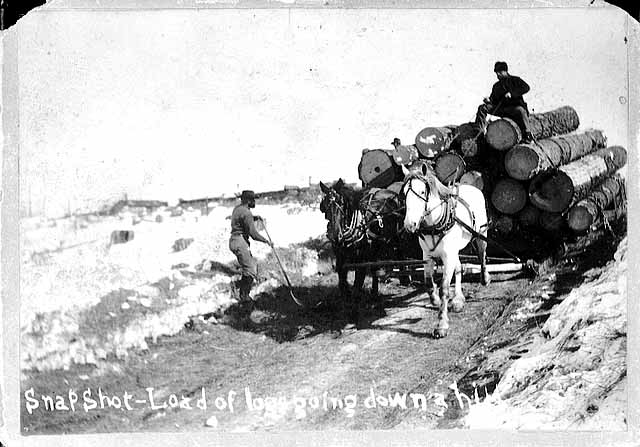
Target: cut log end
x=431, y=141
x=552, y=193
x=522, y=162
x=509, y=196
x=469, y=148
x=529, y=217
x=377, y=168
x=504, y=225
x=587, y=213
x=449, y=167
x=404, y=155
x=503, y=134
x=466, y=140
x=579, y=219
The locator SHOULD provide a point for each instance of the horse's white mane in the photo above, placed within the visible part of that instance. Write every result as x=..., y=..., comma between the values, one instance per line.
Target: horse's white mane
x=426, y=173
x=440, y=188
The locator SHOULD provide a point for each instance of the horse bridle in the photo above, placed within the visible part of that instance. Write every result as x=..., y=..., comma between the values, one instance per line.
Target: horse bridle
x=351, y=234
x=333, y=204
x=422, y=178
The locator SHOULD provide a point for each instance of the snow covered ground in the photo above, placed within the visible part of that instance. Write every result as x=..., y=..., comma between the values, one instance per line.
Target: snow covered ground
x=78, y=277
x=574, y=378
x=62, y=286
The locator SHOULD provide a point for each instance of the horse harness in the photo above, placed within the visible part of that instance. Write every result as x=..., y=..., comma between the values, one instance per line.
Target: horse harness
x=377, y=215
x=448, y=218
x=359, y=227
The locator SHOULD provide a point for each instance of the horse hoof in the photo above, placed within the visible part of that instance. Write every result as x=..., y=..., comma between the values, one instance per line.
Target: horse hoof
x=436, y=302
x=457, y=306
x=440, y=332
x=486, y=280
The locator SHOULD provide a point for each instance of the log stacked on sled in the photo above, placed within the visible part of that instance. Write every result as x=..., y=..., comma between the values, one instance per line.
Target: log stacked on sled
x=565, y=180
x=525, y=161
x=556, y=190
x=504, y=133
x=382, y=167
x=592, y=210
x=378, y=168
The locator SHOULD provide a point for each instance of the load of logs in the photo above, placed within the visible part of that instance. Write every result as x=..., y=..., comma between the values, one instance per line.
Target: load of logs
x=565, y=180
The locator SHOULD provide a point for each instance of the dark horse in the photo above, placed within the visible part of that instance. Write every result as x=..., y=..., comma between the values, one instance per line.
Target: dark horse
x=363, y=226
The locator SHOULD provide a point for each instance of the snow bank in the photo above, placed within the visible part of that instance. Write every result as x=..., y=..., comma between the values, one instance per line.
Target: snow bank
x=116, y=286
x=574, y=377
x=77, y=277
x=56, y=340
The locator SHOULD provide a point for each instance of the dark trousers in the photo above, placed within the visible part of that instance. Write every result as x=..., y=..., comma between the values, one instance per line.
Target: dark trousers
x=240, y=248
x=517, y=113
x=248, y=265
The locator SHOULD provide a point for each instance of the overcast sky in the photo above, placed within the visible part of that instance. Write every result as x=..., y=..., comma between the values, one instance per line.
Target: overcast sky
x=185, y=103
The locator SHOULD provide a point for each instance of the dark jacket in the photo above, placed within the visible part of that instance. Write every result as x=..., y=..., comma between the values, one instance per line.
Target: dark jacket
x=513, y=84
x=242, y=223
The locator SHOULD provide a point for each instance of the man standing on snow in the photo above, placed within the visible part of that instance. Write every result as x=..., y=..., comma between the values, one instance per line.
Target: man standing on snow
x=242, y=228
x=506, y=101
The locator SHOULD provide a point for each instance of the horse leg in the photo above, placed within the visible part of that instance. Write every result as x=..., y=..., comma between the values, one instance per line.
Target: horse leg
x=428, y=274
x=457, y=303
x=482, y=254
x=442, y=329
x=343, y=287
x=379, y=300
x=375, y=282
x=358, y=282
x=342, y=283
x=435, y=296
x=356, y=294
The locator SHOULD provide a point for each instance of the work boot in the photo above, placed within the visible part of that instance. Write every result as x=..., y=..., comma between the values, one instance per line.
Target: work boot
x=238, y=313
x=245, y=287
x=245, y=303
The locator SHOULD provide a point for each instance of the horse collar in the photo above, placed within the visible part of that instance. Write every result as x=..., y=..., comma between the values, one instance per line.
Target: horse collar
x=446, y=221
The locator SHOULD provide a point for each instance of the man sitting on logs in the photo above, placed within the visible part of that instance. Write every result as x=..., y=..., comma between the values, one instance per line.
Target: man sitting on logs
x=243, y=228
x=506, y=101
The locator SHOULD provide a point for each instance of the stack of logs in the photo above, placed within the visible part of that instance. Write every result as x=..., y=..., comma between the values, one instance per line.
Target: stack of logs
x=564, y=179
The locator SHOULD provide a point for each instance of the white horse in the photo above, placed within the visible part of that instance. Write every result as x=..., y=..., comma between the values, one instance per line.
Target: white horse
x=435, y=212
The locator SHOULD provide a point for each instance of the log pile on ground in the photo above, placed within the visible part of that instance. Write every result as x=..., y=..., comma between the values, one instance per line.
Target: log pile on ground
x=565, y=180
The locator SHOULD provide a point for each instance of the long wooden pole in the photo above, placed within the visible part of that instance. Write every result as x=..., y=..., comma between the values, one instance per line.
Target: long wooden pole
x=284, y=273
x=410, y=262
x=505, y=267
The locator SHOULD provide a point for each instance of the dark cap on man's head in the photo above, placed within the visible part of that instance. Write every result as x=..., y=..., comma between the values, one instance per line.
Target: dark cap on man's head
x=247, y=195
x=500, y=66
